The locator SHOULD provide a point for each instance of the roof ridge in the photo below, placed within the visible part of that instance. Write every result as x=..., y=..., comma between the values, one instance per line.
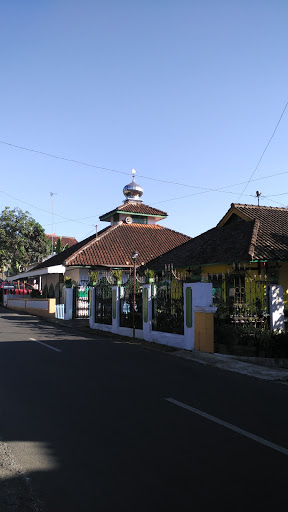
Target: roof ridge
x=252, y=246
x=157, y=226
x=134, y=203
x=96, y=239
x=259, y=206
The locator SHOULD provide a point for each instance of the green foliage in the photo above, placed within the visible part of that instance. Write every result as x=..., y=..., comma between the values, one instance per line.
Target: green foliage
x=45, y=292
x=149, y=274
x=266, y=342
x=69, y=282
x=117, y=274
x=51, y=292
x=35, y=294
x=93, y=277
x=22, y=240
x=58, y=247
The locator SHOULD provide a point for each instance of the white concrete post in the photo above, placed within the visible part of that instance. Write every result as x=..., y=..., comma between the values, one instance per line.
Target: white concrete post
x=147, y=312
x=68, y=303
x=116, y=290
x=92, y=307
x=197, y=297
x=276, y=302
x=188, y=317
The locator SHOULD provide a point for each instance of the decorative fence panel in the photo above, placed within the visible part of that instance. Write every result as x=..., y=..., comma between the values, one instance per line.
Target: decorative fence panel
x=242, y=297
x=81, y=306
x=126, y=304
x=103, y=302
x=168, y=304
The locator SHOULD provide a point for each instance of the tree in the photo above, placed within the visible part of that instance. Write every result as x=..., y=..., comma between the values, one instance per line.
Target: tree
x=58, y=247
x=22, y=240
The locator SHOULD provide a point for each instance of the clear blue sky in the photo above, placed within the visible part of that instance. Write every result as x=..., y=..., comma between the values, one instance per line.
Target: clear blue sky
x=184, y=91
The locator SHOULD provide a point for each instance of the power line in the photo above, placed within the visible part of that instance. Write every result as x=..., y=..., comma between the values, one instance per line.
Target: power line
x=72, y=220
x=79, y=162
x=275, y=195
x=276, y=202
x=266, y=147
x=224, y=191
x=219, y=190
x=42, y=210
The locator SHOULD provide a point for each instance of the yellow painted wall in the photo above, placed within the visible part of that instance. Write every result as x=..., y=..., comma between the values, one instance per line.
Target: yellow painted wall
x=204, y=332
x=251, y=268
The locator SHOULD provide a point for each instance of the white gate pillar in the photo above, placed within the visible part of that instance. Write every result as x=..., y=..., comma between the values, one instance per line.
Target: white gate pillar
x=92, y=307
x=147, y=312
x=68, y=303
x=276, y=302
x=198, y=317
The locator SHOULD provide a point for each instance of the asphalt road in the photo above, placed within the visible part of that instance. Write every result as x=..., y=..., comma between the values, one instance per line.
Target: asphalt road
x=89, y=423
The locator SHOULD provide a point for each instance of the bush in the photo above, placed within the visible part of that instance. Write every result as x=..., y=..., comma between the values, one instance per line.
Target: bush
x=268, y=343
x=51, y=293
x=45, y=292
x=227, y=335
x=35, y=294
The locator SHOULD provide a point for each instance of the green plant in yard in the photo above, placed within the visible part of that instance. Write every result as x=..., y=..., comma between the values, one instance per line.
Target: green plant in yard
x=68, y=281
x=93, y=277
x=117, y=274
x=149, y=274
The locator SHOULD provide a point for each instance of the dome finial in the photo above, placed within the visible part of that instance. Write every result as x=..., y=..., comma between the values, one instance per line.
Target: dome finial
x=132, y=191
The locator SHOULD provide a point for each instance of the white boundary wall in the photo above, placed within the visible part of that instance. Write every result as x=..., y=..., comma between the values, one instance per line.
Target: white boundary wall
x=199, y=299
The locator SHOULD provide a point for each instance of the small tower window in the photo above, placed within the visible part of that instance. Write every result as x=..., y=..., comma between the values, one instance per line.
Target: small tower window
x=139, y=220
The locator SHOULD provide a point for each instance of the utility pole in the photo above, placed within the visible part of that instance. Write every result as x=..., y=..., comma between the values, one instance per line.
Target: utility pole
x=52, y=194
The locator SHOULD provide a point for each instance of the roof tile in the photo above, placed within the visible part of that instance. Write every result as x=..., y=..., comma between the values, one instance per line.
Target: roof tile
x=114, y=246
x=133, y=207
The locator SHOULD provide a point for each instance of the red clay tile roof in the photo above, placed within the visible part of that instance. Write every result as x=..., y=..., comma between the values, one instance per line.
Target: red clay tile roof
x=271, y=242
x=115, y=244
x=70, y=240
x=59, y=259
x=132, y=207
x=228, y=244
x=246, y=232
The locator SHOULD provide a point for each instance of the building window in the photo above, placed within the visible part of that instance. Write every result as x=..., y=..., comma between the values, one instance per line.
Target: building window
x=139, y=220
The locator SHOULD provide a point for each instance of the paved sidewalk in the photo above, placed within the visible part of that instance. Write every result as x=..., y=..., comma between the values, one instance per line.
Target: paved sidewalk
x=235, y=364
x=265, y=369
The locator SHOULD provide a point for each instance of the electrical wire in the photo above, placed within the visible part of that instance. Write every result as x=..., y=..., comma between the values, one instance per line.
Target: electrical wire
x=221, y=189
x=46, y=211
x=79, y=162
x=263, y=153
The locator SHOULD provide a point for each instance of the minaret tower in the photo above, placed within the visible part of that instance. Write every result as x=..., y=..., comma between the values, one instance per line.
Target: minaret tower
x=132, y=191
x=133, y=211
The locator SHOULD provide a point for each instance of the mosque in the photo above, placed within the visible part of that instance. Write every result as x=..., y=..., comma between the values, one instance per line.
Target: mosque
x=133, y=226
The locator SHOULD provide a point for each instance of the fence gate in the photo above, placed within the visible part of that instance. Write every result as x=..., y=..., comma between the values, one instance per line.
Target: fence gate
x=242, y=297
x=168, y=303
x=81, y=304
x=126, y=304
x=103, y=302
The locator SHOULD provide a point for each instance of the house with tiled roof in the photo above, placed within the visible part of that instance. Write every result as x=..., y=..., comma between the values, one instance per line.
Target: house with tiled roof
x=241, y=256
x=65, y=240
x=132, y=225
